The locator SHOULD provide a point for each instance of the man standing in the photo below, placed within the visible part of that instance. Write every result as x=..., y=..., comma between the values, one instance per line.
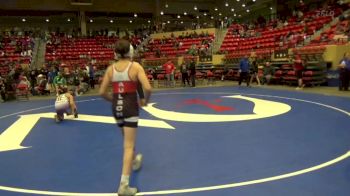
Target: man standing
x=169, y=73
x=244, y=67
x=92, y=76
x=192, y=68
x=299, y=68
x=184, y=74
x=344, y=72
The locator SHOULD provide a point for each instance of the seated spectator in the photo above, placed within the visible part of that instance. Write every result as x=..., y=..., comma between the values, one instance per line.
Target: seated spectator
x=158, y=53
x=324, y=38
x=41, y=88
x=2, y=89
x=59, y=80
x=84, y=84
x=193, y=50
x=268, y=73
x=23, y=83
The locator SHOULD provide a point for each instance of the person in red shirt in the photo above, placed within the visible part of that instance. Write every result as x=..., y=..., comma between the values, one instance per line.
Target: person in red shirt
x=299, y=68
x=169, y=69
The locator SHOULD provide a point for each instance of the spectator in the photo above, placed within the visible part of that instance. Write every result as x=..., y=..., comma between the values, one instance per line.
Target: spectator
x=244, y=67
x=2, y=90
x=184, y=74
x=59, y=81
x=24, y=82
x=344, y=72
x=51, y=76
x=41, y=89
x=91, y=73
x=299, y=68
x=169, y=73
x=192, y=68
x=268, y=73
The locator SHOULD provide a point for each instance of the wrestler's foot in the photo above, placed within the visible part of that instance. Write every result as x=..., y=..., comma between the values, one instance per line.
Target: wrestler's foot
x=126, y=190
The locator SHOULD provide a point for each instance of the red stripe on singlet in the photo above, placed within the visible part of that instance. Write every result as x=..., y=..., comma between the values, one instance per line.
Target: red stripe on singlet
x=124, y=87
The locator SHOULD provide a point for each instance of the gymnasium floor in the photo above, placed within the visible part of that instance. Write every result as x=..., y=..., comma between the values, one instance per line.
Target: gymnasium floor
x=227, y=140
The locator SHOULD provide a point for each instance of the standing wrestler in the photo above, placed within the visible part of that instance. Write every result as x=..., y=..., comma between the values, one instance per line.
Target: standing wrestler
x=255, y=69
x=128, y=79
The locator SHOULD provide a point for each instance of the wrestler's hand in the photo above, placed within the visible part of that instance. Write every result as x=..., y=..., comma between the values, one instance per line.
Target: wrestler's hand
x=143, y=102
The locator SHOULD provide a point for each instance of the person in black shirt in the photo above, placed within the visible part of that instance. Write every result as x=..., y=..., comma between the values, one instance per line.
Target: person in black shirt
x=192, y=69
x=2, y=89
x=184, y=74
x=255, y=69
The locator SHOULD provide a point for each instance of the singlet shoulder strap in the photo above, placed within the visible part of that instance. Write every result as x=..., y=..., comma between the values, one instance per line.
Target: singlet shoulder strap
x=125, y=70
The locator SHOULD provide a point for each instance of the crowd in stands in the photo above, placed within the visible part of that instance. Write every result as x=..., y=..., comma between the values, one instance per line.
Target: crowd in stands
x=45, y=81
x=186, y=43
x=286, y=33
x=67, y=53
x=16, y=48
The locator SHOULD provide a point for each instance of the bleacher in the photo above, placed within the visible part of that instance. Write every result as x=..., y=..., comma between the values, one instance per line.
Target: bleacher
x=14, y=51
x=168, y=48
x=80, y=50
x=270, y=38
x=331, y=36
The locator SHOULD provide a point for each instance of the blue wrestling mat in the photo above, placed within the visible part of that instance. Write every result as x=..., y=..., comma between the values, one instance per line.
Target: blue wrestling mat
x=195, y=141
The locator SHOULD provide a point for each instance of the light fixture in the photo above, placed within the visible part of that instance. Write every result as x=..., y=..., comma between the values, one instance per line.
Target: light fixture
x=135, y=15
x=23, y=19
x=216, y=9
x=243, y=5
x=185, y=13
x=237, y=0
x=182, y=22
x=212, y=17
x=111, y=21
x=248, y=10
x=195, y=8
x=226, y=4
x=149, y=21
x=197, y=17
x=168, y=22
x=239, y=15
x=68, y=20
x=161, y=13
x=47, y=20
x=205, y=14
x=178, y=16
x=220, y=14
x=254, y=0
x=166, y=5
x=234, y=15
x=271, y=8
x=130, y=21
x=232, y=9
x=91, y=20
